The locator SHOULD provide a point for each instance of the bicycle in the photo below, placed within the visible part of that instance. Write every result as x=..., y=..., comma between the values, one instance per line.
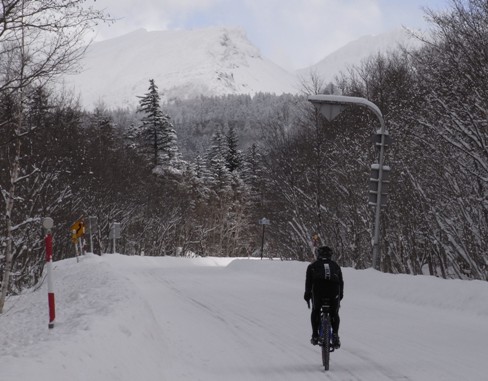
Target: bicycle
x=326, y=335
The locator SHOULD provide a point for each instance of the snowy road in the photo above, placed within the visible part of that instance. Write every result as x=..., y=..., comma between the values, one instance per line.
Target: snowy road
x=181, y=319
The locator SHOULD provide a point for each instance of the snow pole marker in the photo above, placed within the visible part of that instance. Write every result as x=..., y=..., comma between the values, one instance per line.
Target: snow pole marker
x=48, y=223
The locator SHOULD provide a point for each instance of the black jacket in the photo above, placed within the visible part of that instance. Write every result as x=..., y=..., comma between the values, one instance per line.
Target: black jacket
x=318, y=287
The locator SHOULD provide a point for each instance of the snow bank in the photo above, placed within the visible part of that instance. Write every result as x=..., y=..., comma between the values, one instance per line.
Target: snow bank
x=447, y=294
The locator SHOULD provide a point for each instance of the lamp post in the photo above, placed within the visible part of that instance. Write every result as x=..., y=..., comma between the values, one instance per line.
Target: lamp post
x=330, y=106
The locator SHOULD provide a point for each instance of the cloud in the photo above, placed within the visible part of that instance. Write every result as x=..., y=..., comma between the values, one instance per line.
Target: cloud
x=306, y=31
x=148, y=14
x=292, y=33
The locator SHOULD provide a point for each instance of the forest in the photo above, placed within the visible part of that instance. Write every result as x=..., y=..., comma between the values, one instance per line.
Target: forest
x=196, y=176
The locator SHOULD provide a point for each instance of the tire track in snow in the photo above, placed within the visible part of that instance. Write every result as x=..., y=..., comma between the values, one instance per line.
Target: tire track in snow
x=375, y=366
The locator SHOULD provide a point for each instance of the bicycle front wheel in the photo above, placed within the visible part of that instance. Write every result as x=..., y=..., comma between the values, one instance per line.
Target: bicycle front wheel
x=326, y=343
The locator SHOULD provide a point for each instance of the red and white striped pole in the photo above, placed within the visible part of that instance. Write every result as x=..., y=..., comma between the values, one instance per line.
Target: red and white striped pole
x=48, y=224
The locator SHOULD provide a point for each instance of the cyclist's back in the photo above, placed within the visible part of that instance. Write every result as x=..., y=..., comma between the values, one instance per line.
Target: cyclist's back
x=326, y=278
x=324, y=282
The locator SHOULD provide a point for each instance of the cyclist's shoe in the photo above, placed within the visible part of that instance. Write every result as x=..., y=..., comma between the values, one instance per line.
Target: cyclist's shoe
x=314, y=340
x=336, y=342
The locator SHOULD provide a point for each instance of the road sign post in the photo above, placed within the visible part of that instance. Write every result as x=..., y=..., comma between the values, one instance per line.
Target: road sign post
x=92, y=229
x=114, y=234
x=263, y=221
x=77, y=231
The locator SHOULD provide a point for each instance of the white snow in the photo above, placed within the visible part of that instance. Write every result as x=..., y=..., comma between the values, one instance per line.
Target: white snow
x=356, y=52
x=211, y=61
x=184, y=63
x=164, y=318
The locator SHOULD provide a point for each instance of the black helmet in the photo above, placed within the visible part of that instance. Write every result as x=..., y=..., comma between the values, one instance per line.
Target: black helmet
x=324, y=252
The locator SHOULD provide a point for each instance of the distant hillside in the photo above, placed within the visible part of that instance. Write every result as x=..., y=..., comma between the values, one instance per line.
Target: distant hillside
x=356, y=51
x=185, y=63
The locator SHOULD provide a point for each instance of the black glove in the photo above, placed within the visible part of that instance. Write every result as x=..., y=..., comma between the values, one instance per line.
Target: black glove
x=307, y=296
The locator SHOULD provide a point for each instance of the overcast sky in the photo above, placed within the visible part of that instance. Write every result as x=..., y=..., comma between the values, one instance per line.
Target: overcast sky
x=292, y=33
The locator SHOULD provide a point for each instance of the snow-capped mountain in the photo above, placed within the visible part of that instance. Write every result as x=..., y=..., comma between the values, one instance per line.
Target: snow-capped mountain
x=183, y=63
x=210, y=61
x=353, y=53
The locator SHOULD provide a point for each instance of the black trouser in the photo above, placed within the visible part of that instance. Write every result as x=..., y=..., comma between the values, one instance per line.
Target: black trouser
x=334, y=318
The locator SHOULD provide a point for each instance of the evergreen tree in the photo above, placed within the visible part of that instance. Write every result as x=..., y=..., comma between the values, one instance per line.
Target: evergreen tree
x=253, y=174
x=219, y=174
x=251, y=170
x=232, y=154
x=200, y=169
x=156, y=133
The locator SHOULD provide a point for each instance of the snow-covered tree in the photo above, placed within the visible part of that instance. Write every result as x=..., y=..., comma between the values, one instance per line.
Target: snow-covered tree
x=453, y=67
x=156, y=133
x=218, y=171
x=233, y=155
x=38, y=40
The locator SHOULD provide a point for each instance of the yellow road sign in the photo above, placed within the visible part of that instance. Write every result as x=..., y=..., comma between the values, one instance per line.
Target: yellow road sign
x=77, y=230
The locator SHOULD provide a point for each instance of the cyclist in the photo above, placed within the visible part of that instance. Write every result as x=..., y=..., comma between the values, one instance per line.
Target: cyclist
x=324, y=281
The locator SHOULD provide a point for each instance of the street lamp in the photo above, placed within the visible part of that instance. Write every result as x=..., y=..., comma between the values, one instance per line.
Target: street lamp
x=330, y=106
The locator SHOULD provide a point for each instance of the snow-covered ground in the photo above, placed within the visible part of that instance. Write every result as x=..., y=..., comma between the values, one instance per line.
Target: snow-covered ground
x=124, y=318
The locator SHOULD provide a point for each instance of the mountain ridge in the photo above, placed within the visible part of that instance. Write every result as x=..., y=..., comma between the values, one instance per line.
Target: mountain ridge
x=211, y=61
x=353, y=53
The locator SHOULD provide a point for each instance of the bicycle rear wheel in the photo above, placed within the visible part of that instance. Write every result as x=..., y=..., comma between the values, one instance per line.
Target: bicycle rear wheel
x=326, y=343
